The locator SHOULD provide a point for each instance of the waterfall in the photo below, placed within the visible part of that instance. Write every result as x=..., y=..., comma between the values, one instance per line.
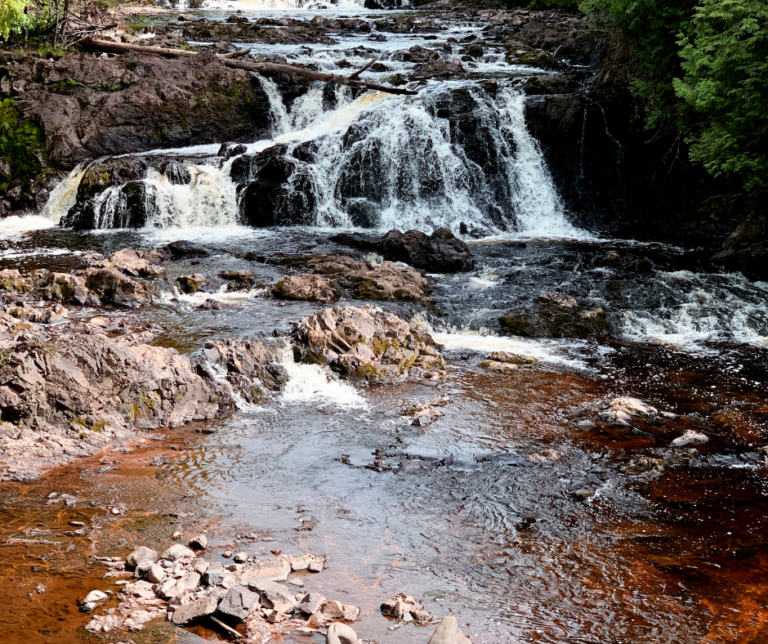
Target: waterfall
x=208, y=201
x=63, y=196
x=456, y=154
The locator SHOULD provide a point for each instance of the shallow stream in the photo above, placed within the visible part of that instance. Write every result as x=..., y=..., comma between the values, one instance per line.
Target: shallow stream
x=460, y=516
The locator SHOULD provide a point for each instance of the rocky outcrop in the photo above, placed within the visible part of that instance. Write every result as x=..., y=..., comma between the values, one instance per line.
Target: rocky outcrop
x=68, y=390
x=134, y=263
x=89, y=106
x=440, y=252
x=367, y=343
x=553, y=315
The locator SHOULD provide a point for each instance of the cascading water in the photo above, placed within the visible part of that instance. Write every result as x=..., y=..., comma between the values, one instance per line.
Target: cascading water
x=375, y=162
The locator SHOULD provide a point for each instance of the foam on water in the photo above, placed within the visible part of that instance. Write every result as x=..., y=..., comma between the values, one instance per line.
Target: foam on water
x=704, y=307
x=311, y=383
x=15, y=226
x=543, y=350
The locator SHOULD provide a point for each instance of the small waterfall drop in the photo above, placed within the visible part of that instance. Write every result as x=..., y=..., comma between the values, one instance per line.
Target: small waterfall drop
x=208, y=201
x=63, y=196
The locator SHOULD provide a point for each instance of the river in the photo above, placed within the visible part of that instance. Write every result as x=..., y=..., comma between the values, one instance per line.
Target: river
x=481, y=514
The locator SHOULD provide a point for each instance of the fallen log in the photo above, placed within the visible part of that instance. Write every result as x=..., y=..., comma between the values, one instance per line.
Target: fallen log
x=290, y=70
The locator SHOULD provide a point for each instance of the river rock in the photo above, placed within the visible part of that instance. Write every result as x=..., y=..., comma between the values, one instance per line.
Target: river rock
x=440, y=252
x=241, y=557
x=387, y=281
x=448, y=632
x=305, y=287
x=238, y=603
x=406, y=609
x=156, y=574
x=511, y=358
x=131, y=262
x=331, y=609
x=178, y=551
x=311, y=603
x=238, y=280
x=92, y=600
x=200, y=542
x=140, y=555
x=195, y=610
x=274, y=596
x=183, y=249
x=214, y=575
x=113, y=287
x=190, y=283
x=690, y=437
x=366, y=343
x=493, y=365
x=621, y=411
x=339, y=633
x=266, y=568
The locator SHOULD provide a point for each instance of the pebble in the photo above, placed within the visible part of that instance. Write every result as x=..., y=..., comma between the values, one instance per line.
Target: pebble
x=226, y=554
x=241, y=557
x=295, y=581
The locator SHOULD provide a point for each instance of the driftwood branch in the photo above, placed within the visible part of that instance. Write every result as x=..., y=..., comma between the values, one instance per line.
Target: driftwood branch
x=354, y=75
x=290, y=70
x=229, y=629
x=236, y=54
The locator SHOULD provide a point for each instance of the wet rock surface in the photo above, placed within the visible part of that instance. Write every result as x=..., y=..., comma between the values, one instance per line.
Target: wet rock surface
x=367, y=343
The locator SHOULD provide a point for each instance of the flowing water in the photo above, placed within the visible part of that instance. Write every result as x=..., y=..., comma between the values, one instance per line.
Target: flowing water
x=465, y=516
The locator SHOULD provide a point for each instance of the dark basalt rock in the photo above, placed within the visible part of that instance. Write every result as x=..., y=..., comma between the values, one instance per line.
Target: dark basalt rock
x=177, y=173
x=275, y=189
x=183, y=249
x=556, y=316
x=229, y=150
x=440, y=252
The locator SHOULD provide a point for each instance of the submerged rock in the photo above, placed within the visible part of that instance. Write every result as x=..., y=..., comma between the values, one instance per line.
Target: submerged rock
x=690, y=437
x=367, y=343
x=556, y=316
x=440, y=252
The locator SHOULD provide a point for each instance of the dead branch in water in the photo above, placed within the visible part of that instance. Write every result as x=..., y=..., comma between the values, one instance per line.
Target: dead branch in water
x=290, y=70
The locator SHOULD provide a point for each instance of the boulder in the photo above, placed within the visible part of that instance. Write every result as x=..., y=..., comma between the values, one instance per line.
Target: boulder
x=184, y=249
x=156, y=574
x=448, y=632
x=238, y=603
x=131, y=262
x=690, y=437
x=441, y=252
x=305, y=287
x=339, y=633
x=64, y=287
x=92, y=600
x=239, y=280
x=176, y=552
x=200, y=542
x=113, y=287
x=511, y=358
x=311, y=603
x=367, y=343
x=190, y=283
x=266, y=568
x=140, y=555
x=194, y=610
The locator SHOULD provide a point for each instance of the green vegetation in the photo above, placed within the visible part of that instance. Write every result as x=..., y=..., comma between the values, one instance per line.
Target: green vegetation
x=12, y=17
x=20, y=139
x=701, y=71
